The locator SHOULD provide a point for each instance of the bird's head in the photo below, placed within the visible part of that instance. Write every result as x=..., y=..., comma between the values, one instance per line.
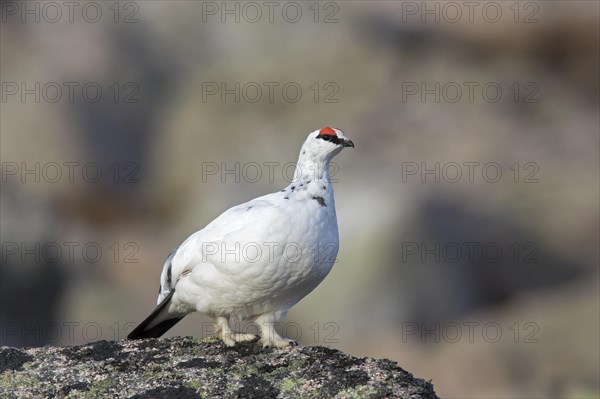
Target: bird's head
x=325, y=143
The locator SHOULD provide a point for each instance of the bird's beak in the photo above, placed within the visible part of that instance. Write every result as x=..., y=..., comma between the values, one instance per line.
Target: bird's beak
x=348, y=143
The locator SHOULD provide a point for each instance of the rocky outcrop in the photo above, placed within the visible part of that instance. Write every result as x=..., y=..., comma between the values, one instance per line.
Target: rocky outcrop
x=200, y=368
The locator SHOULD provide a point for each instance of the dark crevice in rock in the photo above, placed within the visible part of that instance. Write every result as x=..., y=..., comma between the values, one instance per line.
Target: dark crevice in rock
x=13, y=359
x=170, y=392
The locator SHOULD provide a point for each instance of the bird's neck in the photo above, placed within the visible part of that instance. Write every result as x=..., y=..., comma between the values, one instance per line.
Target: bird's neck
x=312, y=181
x=310, y=170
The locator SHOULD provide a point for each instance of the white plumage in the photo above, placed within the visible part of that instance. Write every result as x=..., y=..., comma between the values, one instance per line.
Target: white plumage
x=258, y=259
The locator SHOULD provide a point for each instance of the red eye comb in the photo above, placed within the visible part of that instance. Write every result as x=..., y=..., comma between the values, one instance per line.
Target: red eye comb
x=327, y=131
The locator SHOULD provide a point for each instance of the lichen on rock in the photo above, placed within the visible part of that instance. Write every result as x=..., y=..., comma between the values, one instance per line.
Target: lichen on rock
x=189, y=368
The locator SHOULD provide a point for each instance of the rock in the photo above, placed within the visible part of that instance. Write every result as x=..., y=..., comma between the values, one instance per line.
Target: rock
x=189, y=368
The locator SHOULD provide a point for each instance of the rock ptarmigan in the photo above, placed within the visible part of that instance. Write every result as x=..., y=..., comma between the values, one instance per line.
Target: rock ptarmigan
x=258, y=259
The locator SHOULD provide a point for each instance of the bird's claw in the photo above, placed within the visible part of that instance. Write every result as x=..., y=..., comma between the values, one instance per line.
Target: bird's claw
x=278, y=342
x=230, y=339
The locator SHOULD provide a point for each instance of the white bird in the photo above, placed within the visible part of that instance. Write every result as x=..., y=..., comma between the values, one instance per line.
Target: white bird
x=258, y=259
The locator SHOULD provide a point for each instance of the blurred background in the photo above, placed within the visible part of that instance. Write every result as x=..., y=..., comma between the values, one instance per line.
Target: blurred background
x=468, y=211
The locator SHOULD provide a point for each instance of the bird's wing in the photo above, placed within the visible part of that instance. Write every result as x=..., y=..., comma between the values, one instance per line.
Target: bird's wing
x=260, y=220
x=253, y=220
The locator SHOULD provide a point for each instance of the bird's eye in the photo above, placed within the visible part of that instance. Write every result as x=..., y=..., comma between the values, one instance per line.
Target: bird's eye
x=326, y=137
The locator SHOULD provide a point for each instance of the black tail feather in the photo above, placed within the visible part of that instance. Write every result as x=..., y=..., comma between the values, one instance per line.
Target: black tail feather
x=143, y=331
x=154, y=332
